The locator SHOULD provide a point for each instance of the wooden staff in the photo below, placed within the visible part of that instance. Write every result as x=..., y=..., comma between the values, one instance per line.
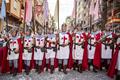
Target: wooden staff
x=90, y=30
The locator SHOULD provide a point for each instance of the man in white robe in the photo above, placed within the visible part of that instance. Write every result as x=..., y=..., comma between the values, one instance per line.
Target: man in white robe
x=27, y=54
x=51, y=49
x=64, y=49
x=13, y=52
x=78, y=49
x=39, y=50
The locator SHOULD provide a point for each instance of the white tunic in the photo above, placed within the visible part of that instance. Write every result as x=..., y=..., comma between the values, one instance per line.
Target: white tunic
x=107, y=53
x=64, y=52
x=78, y=50
x=92, y=51
x=13, y=44
x=28, y=42
x=118, y=61
x=50, y=53
x=38, y=54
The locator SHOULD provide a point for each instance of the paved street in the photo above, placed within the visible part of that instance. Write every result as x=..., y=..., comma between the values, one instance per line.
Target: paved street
x=72, y=75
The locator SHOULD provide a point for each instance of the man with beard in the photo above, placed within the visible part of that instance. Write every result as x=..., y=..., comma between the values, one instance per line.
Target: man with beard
x=92, y=48
x=115, y=62
x=78, y=49
x=13, y=52
x=107, y=47
x=28, y=50
x=39, y=50
x=63, y=49
x=51, y=46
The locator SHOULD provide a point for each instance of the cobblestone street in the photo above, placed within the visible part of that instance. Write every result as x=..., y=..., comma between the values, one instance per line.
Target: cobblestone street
x=72, y=75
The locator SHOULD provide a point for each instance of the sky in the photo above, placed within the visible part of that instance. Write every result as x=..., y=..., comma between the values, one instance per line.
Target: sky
x=65, y=8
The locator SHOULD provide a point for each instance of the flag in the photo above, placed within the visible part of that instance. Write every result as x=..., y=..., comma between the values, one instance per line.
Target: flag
x=28, y=15
x=96, y=10
x=91, y=7
x=56, y=14
x=3, y=10
x=56, y=11
x=74, y=10
x=38, y=8
x=46, y=10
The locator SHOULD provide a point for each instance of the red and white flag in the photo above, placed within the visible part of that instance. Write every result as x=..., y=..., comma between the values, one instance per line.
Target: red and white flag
x=28, y=15
x=96, y=10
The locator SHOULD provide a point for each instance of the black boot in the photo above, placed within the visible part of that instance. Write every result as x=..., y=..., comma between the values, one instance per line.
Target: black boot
x=15, y=72
x=11, y=70
x=105, y=64
x=64, y=69
x=80, y=68
x=46, y=67
x=74, y=66
x=117, y=77
x=51, y=69
x=94, y=70
x=106, y=67
x=101, y=68
x=27, y=70
x=89, y=65
x=39, y=69
x=60, y=67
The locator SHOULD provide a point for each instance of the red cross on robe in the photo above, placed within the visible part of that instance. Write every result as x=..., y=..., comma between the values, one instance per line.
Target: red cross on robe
x=14, y=43
x=79, y=37
x=64, y=39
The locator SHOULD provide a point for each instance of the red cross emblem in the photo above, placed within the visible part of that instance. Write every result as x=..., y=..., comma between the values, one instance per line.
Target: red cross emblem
x=64, y=39
x=14, y=43
x=78, y=38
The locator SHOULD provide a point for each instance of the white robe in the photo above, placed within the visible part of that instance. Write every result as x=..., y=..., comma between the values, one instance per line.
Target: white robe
x=78, y=51
x=106, y=53
x=91, y=52
x=13, y=55
x=118, y=60
x=28, y=42
x=64, y=52
x=38, y=55
x=50, y=53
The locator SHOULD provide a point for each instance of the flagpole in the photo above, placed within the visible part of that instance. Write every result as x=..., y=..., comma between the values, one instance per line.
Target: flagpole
x=58, y=13
x=25, y=17
x=75, y=13
x=34, y=18
x=6, y=21
x=90, y=29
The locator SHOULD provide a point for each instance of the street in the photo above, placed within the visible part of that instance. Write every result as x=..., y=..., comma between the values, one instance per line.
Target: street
x=63, y=34
x=72, y=75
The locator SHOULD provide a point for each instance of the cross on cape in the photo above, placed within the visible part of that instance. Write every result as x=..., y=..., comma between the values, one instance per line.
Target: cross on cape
x=49, y=43
x=79, y=38
x=64, y=39
x=13, y=43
